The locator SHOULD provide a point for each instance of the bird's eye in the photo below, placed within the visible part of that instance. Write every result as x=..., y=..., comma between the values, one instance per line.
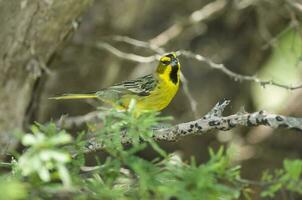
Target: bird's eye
x=166, y=62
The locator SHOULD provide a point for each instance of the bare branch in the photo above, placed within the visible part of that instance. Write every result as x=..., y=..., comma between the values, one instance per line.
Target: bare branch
x=139, y=43
x=274, y=40
x=127, y=56
x=233, y=75
x=196, y=17
x=213, y=121
x=185, y=87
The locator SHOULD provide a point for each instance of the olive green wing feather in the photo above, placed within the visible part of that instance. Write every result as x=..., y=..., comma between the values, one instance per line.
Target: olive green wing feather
x=140, y=87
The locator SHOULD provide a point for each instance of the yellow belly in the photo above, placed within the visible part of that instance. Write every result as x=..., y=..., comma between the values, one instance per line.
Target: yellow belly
x=158, y=99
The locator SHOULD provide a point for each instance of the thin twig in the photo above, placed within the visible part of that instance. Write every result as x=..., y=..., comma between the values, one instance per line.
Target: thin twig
x=273, y=41
x=139, y=43
x=257, y=183
x=233, y=75
x=192, y=101
x=127, y=56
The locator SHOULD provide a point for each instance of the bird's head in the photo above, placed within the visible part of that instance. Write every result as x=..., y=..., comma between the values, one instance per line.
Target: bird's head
x=169, y=67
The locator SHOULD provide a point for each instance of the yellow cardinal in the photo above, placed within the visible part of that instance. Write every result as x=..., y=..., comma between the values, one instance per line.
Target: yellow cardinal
x=151, y=92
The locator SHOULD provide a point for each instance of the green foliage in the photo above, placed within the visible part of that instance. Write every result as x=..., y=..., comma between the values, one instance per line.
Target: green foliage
x=45, y=170
x=12, y=189
x=289, y=178
x=192, y=181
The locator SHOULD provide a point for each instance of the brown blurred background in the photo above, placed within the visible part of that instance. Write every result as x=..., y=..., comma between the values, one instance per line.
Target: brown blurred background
x=248, y=36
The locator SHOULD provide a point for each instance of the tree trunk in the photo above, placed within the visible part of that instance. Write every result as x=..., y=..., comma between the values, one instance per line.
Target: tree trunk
x=31, y=31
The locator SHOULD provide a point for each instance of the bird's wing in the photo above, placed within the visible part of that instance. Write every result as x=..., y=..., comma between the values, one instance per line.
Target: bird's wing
x=141, y=86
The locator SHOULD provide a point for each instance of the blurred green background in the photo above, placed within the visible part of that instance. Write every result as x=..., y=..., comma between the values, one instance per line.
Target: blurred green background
x=249, y=37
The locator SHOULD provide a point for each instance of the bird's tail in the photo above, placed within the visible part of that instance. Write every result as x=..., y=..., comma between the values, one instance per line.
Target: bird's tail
x=75, y=96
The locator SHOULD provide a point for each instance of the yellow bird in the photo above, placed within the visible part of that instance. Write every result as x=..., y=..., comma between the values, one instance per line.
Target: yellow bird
x=151, y=92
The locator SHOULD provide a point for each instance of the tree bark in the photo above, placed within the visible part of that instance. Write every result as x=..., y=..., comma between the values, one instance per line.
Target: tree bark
x=31, y=31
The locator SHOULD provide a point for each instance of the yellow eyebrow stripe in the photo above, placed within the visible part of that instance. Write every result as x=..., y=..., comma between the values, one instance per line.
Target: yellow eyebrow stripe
x=165, y=59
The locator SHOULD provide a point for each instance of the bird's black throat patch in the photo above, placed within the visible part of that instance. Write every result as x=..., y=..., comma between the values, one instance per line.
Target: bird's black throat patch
x=173, y=74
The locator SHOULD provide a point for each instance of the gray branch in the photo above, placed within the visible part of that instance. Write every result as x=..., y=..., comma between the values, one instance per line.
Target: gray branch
x=211, y=121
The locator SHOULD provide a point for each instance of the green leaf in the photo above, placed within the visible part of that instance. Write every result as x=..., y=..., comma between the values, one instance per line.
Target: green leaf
x=293, y=168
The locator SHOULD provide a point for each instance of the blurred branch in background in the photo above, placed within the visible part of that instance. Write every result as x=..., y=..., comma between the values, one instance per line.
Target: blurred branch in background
x=211, y=121
x=139, y=43
x=196, y=17
x=296, y=4
x=127, y=56
x=235, y=76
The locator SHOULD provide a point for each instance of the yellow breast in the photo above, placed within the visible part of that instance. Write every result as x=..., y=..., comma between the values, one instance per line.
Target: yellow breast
x=160, y=97
x=167, y=77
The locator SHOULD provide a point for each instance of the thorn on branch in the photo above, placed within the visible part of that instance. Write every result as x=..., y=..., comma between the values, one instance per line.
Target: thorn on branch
x=218, y=109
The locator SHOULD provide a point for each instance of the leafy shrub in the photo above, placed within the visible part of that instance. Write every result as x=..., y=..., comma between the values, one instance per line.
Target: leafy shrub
x=48, y=168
